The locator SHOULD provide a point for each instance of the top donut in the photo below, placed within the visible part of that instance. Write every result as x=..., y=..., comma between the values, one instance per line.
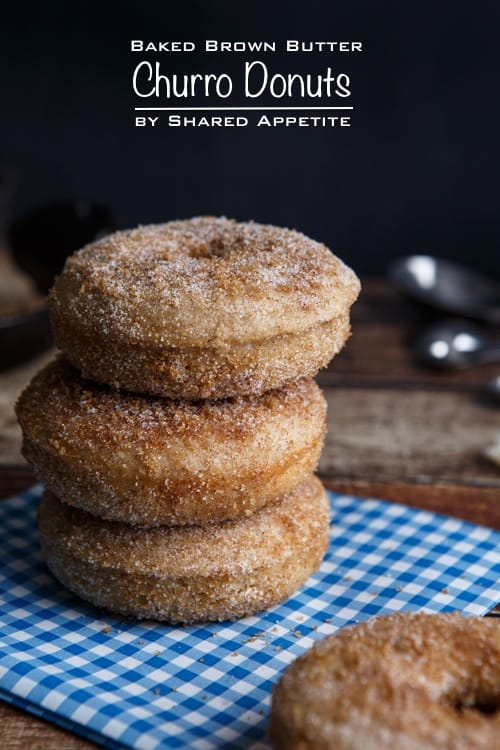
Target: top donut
x=202, y=308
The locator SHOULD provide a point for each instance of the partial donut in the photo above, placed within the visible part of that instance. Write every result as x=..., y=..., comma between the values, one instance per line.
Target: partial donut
x=406, y=681
x=149, y=461
x=203, y=308
x=189, y=573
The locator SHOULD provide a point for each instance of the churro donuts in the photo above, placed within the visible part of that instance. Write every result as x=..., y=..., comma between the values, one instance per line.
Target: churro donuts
x=412, y=682
x=149, y=461
x=189, y=573
x=204, y=308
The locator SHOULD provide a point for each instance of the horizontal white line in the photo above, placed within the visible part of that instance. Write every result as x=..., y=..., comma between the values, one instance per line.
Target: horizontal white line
x=231, y=109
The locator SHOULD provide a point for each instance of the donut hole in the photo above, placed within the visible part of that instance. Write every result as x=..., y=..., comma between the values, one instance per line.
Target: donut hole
x=484, y=702
x=220, y=246
x=216, y=247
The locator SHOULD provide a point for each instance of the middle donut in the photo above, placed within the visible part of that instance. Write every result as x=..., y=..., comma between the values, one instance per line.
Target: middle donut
x=150, y=461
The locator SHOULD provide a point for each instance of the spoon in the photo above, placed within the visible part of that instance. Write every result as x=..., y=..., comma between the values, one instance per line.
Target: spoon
x=453, y=344
x=447, y=287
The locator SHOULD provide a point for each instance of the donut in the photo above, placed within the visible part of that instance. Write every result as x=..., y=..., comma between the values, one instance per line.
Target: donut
x=184, y=574
x=205, y=308
x=406, y=681
x=150, y=461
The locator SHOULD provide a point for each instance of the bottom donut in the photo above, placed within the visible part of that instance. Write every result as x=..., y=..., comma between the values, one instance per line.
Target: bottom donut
x=191, y=573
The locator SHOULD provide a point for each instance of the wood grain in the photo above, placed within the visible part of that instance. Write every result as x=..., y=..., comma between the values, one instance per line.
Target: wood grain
x=409, y=435
x=21, y=731
x=480, y=505
x=14, y=479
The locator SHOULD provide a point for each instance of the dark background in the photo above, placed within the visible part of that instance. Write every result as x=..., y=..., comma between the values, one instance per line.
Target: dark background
x=419, y=169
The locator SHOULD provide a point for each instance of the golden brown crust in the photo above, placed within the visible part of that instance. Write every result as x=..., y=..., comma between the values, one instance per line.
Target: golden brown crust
x=205, y=308
x=190, y=573
x=149, y=461
x=406, y=681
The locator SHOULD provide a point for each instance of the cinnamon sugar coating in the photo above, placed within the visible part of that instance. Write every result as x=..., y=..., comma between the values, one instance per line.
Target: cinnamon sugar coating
x=149, y=461
x=190, y=573
x=202, y=308
x=406, y=681
x=197, y=373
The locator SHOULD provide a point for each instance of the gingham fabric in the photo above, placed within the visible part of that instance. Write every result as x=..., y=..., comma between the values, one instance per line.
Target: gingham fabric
x=147, y=685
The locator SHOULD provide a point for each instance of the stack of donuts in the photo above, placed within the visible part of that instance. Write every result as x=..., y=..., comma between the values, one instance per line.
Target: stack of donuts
x=178, y=431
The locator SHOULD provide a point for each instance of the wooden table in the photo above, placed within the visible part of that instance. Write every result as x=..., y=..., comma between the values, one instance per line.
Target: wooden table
x=395, y=431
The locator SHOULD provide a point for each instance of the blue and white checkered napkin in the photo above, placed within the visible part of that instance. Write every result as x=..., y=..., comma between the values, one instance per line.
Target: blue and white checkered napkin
x=146, y=685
